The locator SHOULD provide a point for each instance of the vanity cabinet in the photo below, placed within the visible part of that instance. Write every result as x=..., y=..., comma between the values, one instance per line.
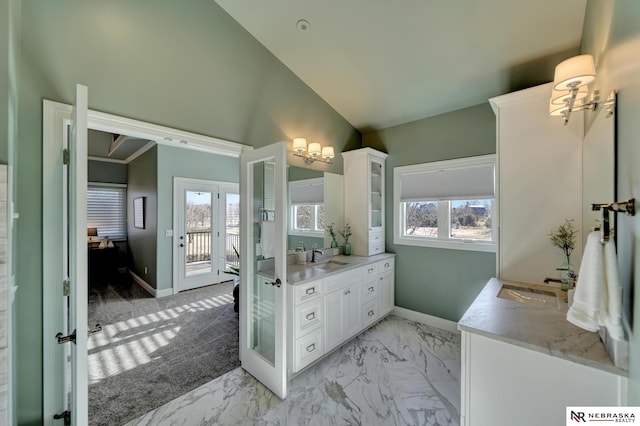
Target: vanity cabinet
x=327, y=312
x=504, y=384
x=364, y=199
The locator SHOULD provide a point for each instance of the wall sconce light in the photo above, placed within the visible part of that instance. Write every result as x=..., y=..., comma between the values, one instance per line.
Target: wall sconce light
x=315, y=151
x=570, y=87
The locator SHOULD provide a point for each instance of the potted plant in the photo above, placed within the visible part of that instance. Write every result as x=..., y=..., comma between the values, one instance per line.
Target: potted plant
x=564, y=237
x=346, y=233
x=332, y=232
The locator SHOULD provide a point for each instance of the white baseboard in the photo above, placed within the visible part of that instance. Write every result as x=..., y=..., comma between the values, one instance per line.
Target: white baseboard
x=149, y=289
x=441, y=323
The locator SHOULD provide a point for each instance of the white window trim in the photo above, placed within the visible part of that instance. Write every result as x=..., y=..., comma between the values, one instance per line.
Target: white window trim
x=443, y=240
x=297, y=232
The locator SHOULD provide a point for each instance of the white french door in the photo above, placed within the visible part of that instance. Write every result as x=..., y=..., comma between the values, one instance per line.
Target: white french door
x=263, y=266
x=77, y=260
x=197, y=234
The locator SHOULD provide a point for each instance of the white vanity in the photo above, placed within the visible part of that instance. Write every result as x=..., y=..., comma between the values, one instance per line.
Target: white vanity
x=330, y=302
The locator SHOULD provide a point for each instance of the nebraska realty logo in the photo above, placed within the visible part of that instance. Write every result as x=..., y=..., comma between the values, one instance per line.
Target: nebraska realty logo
x=578, y=415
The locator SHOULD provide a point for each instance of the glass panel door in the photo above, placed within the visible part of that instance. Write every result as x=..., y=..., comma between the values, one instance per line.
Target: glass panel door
x=263, y=266
x=375, y=174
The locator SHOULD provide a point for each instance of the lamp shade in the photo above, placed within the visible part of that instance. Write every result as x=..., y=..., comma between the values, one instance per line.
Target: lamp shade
x=299, y=144
x=327, y=152
x=574, y=72
x=557, y=110
x=314, y=148
x=561, y=97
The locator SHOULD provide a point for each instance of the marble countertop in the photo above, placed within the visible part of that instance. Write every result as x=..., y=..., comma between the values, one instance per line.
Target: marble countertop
x=543, y=329
x=299, y=274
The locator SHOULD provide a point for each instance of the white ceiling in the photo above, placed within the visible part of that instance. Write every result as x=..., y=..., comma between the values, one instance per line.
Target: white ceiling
x=380, y=63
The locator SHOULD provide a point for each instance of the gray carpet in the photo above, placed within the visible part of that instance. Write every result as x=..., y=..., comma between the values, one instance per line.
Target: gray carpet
x=154, y=350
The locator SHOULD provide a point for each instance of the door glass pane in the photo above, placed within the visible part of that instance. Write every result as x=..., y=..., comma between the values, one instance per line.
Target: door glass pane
x=232, y=225
x=263, y=293
x=198, y=220
x=376, y=194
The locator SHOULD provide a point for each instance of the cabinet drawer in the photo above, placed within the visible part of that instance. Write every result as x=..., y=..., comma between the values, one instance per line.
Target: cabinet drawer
x=341, y=279
x=308, y=349
x=376, y=237
x=376, y=248
x=369, y=290
x=307, y=292
x=369, y=313
x=308, y=317
x=370, y=271
x=386, y=265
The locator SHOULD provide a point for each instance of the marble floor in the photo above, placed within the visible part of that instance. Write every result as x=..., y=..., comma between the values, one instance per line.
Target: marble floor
x=397, y=373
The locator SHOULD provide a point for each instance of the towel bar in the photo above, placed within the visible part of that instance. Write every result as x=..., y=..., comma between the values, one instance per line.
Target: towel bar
x=628, y=207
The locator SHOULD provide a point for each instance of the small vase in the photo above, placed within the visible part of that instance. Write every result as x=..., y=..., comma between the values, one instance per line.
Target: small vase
x=567, y=276
x=334, y=244
x=346, y=249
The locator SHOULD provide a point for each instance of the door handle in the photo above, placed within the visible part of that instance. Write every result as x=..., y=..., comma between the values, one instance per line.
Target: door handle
x=72, y=337
x=276, y=283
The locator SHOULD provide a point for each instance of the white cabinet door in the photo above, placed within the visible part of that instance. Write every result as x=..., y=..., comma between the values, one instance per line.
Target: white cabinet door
x=333, y=319
x=351, y=308
x=386, y=292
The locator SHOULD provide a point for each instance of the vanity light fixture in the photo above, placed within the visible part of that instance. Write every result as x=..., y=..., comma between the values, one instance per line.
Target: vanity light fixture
x=315, y=151
x=570, y=87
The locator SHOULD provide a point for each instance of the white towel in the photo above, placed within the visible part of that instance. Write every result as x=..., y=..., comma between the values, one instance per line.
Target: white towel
x=597, y=301
x=588, y=297
x=611, y=311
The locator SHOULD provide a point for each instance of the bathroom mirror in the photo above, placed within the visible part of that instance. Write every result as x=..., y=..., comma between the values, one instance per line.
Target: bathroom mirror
x=308, y=187
x=598, y=165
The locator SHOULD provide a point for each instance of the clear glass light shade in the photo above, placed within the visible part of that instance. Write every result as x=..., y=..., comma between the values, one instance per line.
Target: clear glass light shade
x=327, y=152
x=574, y=72
x=315, y=149
x=299, y=144
x=560, y=97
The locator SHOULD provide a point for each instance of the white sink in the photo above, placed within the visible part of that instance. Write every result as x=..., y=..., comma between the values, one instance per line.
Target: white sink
x=534, y=295
x=330, y=265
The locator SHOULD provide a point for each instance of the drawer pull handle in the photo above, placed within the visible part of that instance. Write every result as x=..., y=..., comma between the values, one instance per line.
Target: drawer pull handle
x=310, y=290
x=370, y=313
x=386, y=265
x=311, y=316
x=370, y=270
x=347, y=292
x=371, y=289
x=311, y=347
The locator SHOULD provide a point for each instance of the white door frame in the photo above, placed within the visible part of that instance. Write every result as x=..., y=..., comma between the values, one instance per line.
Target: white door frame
x=55, y=122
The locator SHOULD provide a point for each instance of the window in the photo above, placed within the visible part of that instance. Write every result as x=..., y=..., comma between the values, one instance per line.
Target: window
x=446, y=204
x=306, y=200
x=106, y=210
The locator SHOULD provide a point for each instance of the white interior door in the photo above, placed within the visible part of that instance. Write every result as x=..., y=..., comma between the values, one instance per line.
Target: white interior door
x=263, y=266
x=197, y=226
x=77, y=260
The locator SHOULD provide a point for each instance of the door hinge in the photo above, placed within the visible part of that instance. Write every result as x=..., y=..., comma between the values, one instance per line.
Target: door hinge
x=218, y=233
x=66, y=288
x=65, y=415
x=218, y=271
x=65, y=156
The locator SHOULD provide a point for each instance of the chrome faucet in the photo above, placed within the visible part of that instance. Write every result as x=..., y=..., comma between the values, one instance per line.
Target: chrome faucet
x=315, y=250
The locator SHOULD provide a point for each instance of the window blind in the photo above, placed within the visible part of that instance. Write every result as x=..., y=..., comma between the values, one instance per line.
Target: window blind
x=453, y=181
x=106, y=210
x=308, y=191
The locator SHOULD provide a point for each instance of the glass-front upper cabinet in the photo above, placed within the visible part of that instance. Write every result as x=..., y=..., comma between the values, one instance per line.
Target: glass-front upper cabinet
x=364, y=199
x=375, y=179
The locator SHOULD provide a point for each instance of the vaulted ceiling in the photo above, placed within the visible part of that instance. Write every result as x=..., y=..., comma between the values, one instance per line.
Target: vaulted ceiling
x=381, y=63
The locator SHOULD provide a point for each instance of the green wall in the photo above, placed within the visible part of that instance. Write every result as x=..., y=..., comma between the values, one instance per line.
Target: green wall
x=186, y=163
x=439, y=282
x=611, y=33
x=143, y=243
x=102, y=171
x=192, y=68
